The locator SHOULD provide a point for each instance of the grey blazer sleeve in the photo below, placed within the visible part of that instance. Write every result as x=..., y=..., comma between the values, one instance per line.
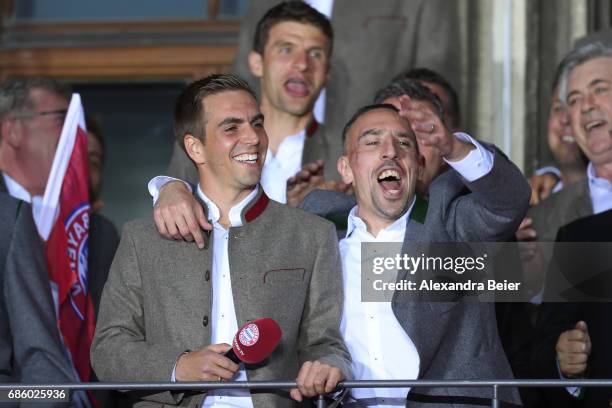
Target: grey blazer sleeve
x=120, y=351
x=320, y=337
x=28, y=328
x=494, y=207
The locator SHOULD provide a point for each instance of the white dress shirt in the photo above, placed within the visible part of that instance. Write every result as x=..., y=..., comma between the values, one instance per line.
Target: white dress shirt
x=224, y=324
x=600, y=190
x=18, y=191
x=279, y=168
x=223, y=317
x=379, y=346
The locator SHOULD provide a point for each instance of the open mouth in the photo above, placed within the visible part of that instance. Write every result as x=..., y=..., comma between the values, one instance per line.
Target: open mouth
x=391, y=181
x=297, y=87
x=594, y=124
x=568, y=139
x=247, y=158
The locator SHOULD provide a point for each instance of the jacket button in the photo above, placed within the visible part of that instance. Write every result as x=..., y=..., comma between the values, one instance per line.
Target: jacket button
x=207, y=275
x=205, y=321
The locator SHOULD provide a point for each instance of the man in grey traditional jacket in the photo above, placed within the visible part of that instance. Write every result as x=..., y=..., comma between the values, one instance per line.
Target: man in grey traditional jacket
x=169, y=309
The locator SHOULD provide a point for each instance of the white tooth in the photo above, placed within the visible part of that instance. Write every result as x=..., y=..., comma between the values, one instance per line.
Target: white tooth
x=593, y=124
x=246, y=157
x=389, y=173
x=568, y=139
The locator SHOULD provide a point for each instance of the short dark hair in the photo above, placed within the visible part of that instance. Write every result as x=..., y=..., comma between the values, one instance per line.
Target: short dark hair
x=296, y=11
x=362, y=111
x=413, y=89
x=433, y=77
x=189, y=106
x=15, y=93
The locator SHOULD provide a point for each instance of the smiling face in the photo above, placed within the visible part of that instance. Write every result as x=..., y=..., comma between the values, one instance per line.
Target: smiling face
x=234, y=149
x=561, y=139
x=293, y=67
x=589, y=98
x=382, y=162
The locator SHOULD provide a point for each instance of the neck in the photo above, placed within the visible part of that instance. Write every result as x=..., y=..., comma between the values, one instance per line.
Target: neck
x=280, y=124
x=224, y=198
x=603, y=171
x=10, y=166
x=373, y=223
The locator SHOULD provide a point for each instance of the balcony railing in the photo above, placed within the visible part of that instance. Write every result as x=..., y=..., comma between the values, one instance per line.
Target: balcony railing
x=287, y=385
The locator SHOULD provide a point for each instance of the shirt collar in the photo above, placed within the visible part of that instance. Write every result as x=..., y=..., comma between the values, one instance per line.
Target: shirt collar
x=597, y=182
x=354, y=222
x=16, y=190
x=235, y=213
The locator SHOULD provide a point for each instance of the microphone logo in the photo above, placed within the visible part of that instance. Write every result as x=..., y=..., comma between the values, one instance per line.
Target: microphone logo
x=249, y=335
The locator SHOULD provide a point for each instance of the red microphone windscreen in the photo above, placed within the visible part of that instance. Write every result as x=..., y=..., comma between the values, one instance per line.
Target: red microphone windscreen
x=256, y=340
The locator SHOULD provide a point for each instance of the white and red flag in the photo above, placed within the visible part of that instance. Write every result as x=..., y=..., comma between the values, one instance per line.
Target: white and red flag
x=63, y=223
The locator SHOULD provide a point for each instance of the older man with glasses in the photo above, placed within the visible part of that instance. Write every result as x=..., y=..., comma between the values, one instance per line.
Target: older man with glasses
x=32, y=113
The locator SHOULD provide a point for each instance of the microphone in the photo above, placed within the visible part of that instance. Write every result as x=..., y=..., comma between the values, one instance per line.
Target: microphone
x=255, y=341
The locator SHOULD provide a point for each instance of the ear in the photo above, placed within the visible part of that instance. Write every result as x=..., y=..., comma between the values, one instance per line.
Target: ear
x=345, y=169
x=256, y=64
x=12, y=132
x=195, y=149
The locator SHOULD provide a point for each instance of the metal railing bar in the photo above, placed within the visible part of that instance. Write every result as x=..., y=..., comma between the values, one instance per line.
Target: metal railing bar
x=264, y=385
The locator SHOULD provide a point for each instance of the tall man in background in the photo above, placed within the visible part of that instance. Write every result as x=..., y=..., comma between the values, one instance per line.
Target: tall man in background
x=372, y=46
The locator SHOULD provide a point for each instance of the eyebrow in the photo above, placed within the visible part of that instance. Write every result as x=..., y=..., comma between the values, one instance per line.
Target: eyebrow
x=597, y=81
x=230, y=121
x=239, y=121
x=591, y=84
x=378, y=132
x=282, y=43
x=370, y=132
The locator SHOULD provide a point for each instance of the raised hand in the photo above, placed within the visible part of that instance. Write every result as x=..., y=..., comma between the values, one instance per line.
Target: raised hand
x=430, y=129
x=311, y=177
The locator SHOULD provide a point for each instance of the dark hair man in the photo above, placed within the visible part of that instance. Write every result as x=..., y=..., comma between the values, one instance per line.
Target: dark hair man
x=383, y=165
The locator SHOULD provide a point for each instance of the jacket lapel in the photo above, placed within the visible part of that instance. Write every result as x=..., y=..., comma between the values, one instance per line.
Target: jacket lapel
x=582, y=206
